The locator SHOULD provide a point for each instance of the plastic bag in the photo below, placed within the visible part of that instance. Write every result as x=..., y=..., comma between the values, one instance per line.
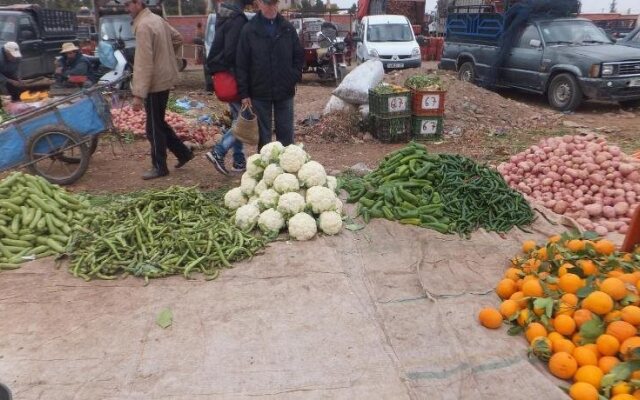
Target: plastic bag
x=354, y=88
x=335, y=104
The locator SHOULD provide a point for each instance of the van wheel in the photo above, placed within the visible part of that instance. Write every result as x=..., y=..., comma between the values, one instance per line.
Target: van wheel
x=565, y=93
x=467, y=72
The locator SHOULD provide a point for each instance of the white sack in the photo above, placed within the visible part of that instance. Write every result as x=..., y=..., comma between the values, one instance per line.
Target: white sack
x=354, y=88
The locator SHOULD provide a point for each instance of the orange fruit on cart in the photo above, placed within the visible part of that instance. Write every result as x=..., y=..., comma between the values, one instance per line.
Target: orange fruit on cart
x=624, y=396
x=562, y=365
x=490, y=318
x=590, y=374
x=604, y=247
x=564, y=269
x=607, y=363
x=598, y=302
x=629, y=344
x=608, y=345
x=620, y=388
x=584, y=356
x=583, y=391
x=594, y=348
x=506, y=288
x=614, y=287
x=621, y=330
x=563, y=346
x=564, y=325
x=532, y=288
x=615, y=315
x=528, y=246
x=508, y=308
x=554, y=336
x=575, y=245
x=534, y=330
x=555, y=238
x=570, y=283
x=513, y=274
x=588, y=267
x=523, y=317
x=581, y=316
x=518, y=297
x=631, y=314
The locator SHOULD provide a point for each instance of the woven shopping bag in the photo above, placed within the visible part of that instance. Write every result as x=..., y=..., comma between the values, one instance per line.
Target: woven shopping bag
x=245, y=127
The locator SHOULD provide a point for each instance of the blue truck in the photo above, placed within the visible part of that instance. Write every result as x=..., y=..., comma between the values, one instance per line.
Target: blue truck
x=567, y=59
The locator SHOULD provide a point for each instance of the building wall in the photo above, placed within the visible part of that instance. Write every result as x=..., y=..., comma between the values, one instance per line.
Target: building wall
x=186, y=25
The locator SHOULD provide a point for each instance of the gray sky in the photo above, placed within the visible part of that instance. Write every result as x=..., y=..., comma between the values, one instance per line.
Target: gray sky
x=587, y=5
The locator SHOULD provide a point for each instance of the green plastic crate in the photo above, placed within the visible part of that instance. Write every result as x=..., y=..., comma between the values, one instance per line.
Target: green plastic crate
x=427, y=128
x=391, y=129
x=391, y=104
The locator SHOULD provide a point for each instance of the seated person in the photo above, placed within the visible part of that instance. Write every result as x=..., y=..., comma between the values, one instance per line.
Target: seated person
x=72, y=64
x=10, y=81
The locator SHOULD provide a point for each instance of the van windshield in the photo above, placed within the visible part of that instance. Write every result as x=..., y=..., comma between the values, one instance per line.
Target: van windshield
x=8, y=31
x=116, y=26
x=389, y=33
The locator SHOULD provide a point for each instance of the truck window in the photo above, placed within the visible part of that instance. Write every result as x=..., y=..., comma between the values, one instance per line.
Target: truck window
x=530, y=33
x=116, y=26
x=26, y=28
x=389, y=33
x=8, y=31
x=572, y=32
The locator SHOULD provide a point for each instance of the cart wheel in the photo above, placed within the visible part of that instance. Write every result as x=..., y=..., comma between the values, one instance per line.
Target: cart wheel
x=93, y=145
x=58, y=155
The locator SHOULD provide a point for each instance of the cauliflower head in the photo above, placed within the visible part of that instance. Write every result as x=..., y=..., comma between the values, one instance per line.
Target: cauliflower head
x=270, y=174
x=293, y=158
x=339, y=206
x=255, y=167
x=291, y=203
x=269, y=198
x=286, y=183
x=271, y=222
x=330, y=222
x=302, y=226
x=321, y=199
x=254, y=201
x=332, y=182
x=260, y=187
x=312, y=173
x=270, y=152
x=234, y=199
x=247, y=217
x=247, y=184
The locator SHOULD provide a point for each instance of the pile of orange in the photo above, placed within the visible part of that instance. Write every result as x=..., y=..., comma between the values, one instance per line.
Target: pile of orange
x=576, y=301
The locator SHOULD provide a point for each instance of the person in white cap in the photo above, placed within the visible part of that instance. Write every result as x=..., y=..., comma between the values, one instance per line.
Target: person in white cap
x=72, y=63
x=10, y=80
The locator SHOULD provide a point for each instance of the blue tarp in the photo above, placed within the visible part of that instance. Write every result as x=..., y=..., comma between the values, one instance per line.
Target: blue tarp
x=82, y=117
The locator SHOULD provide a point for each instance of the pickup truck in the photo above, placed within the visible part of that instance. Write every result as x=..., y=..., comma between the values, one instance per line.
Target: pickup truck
x=632, y=39
x=39, y=33
x=566, y=59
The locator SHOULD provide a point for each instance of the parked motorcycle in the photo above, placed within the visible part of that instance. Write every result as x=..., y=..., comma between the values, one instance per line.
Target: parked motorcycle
x=331, y=60
x=118, y=61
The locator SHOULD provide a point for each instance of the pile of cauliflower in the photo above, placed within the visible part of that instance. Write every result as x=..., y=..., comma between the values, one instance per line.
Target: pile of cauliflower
x=283, y=188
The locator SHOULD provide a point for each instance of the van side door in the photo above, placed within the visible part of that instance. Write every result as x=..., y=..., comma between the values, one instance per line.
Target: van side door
x=31, y=47
x=524, y=63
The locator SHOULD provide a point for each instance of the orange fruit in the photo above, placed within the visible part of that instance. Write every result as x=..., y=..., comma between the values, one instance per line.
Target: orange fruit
x=616, y=273
x=518, y=298
x=598, y=302
x=563, y=346
x=621, y=330
x=542, y=348
x=528, y=246
x=608, y=345
x=583, y=391
x=532, y=288
x=594, y=348
x=563, y=365
x=508, y=308
x=631, y=314
x=624, y=396
x=554, y=336
x=629, y=344
x=506, y=288
x=564, y=325
x=607, y=363
x=570, y=299
x=581, y=316
x=575, y=245
x=490, y=318
x=570, y=283
x=620, y=388
x=523, y=317
x=588, y=267
x=628, y=278
x=604, y=247
x=542, y=254
x=615, y=315
x=554, y=239
x=614, y=287
x=584, y=356
x=636, y=394
x=577, y=339
x=534, y=330
x=564, y=269
x=513, y=274
x=590, y=374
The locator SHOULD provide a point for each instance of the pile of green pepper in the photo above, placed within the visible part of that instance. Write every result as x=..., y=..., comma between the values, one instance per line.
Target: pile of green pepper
x=160, y=233
x=447, y=193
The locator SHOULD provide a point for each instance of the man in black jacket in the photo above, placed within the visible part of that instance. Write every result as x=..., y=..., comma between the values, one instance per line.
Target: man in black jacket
x=268, y=66
x=222, y=58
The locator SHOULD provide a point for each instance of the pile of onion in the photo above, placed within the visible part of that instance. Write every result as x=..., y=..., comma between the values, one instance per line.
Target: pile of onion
x=127, y=120
x=579, y=176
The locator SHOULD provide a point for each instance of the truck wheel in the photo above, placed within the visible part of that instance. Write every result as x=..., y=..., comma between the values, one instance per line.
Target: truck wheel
x=565, y=93
x=467, y=72
x=630, y=103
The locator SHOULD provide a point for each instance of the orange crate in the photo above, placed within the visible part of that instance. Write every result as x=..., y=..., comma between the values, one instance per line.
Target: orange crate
x=428, y=103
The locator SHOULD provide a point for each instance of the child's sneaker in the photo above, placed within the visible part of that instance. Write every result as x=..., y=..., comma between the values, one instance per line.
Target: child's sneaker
x=237, y=167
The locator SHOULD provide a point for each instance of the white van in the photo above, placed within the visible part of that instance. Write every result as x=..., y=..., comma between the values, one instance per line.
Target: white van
x=389, y=38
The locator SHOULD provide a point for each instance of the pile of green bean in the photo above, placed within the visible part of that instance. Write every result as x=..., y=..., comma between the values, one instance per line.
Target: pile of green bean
x=447, y=193
x=160, y=233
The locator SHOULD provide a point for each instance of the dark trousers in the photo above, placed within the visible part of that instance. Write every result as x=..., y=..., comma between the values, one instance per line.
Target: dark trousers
x=282, y=113
x=160, y=134
x=13, y=91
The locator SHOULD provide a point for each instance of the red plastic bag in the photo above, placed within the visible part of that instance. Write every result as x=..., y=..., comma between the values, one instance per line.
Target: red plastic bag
x=225, y=87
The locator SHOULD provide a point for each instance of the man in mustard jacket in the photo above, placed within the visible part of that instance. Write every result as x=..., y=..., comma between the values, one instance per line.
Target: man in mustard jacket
x=155, y=72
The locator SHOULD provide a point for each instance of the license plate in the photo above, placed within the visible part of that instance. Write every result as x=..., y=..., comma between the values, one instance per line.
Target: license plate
x=634, y=83
x=395, y=65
